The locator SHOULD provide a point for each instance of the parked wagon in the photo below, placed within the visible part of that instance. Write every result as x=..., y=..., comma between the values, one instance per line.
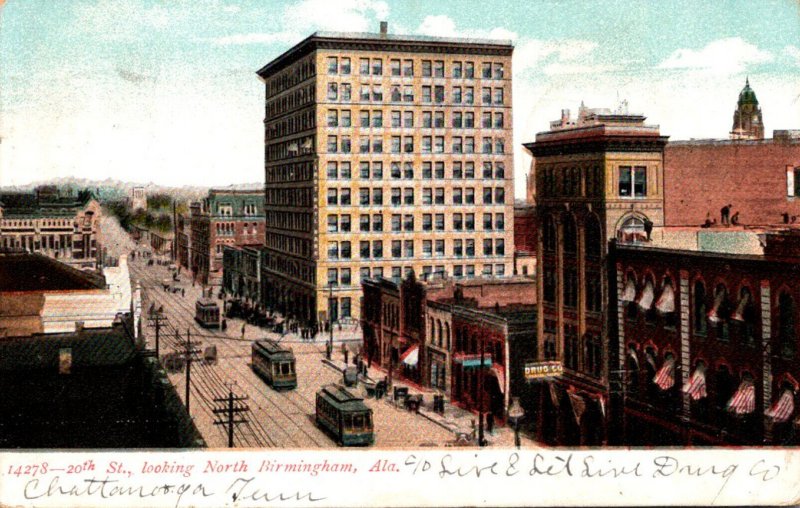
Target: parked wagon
x=210, y=355
x=344, y=416
x=274, y=363
x=350, y=375
x=207, y=313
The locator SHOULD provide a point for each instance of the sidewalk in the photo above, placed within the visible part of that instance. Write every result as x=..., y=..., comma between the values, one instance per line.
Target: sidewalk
x=455, y=419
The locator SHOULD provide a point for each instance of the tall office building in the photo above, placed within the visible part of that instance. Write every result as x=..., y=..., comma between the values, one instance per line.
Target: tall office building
x=384, y=154
x=598, y=176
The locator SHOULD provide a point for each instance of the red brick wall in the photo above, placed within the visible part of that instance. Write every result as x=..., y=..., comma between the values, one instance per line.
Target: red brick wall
x=525, y=230
x=502, y=292
x=702, y=177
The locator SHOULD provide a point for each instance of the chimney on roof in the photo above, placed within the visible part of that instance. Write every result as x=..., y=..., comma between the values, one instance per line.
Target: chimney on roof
x=384, y=28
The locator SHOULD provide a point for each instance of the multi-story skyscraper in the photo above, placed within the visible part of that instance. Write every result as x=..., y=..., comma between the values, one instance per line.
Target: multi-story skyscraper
x=384, y=154
x=597, y=178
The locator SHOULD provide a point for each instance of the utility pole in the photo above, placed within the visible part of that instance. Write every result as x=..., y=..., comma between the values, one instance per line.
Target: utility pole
x=329, y=350
x=158, y=327
x=188, y=370
x=481, y=440
x=230, y=408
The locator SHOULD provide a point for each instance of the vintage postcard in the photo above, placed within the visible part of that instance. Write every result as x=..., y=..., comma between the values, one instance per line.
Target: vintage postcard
x=399, y=253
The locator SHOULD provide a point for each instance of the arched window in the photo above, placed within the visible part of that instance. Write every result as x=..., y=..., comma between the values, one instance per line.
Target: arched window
x=549, y=234
x=699, y=313
x=570, y=235
x=632, y=230
x=786, y=332
x=447, y=335
x=571, y=350
x=593, y=237
x=745, y=317
x=720, y=312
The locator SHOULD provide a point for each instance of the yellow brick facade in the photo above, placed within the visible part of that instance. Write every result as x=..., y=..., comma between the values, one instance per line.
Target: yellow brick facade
x=406, y=155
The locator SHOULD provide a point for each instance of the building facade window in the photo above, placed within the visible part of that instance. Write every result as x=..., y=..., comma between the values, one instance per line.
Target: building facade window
x=633, y=181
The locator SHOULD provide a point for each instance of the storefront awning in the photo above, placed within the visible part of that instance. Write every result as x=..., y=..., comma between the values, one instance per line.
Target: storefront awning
x=645, y=300
x=743, y=302
x=554, y=395
x=782, y=410
x=665, y=377
x=499, y=372
x=578, y=405
x=744, y=400
x=411, y=356
x=666, y=302
x=629, y=293
x=713, y=314
x=473, y=360
x=697, y=384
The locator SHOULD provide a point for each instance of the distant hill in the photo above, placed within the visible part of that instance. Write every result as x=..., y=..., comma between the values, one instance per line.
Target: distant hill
x=111, y=189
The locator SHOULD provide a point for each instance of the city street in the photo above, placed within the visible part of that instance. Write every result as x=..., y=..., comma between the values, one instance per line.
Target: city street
x=277, y=419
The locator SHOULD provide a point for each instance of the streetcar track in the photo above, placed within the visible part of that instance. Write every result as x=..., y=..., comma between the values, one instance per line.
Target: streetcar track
x=182, y=307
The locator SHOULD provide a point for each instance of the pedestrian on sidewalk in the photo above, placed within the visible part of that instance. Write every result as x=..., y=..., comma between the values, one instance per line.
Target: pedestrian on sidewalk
x=183, y=292
x=345, y=355
x=243, y=327
x=490, y=422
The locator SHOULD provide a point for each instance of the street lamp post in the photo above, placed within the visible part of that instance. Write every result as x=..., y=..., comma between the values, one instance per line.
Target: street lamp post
x=515, y=414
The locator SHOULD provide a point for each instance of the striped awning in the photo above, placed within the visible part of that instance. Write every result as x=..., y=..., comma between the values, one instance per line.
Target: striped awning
x=665, y=377
x=744, y=400
x=697, y=384
x=666, y=302
x=645, y=300
x=411, y=356
x=629, y=293
x=782, y=410
x=738, y=315
x=713, y=314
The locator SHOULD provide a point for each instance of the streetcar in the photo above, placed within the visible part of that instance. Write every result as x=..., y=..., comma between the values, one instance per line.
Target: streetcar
x=206, y=313
x=275, y=364
x=344, y=416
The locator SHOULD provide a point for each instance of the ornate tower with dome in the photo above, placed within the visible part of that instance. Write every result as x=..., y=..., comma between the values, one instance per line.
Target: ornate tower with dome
x=747, y=121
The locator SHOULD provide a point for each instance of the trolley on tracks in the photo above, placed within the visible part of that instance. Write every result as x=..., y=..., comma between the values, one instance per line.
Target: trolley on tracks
x=206, y=313
x=344, y=416
x=275, y=364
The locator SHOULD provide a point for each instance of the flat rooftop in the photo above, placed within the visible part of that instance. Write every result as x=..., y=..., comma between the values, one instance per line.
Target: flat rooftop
x=718, y=239
x=21, y=271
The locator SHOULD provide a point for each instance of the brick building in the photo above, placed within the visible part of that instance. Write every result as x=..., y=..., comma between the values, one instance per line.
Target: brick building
x=60, y=225
x=385, y=154
x=708, y=337
x=241, y=275
x=73, y=369
x=756, y=177
x=224, y=217
x=432, y=333
x=598, y=176
x=525, y=239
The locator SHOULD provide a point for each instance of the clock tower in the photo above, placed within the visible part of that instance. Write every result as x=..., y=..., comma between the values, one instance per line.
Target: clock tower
x=747, y=121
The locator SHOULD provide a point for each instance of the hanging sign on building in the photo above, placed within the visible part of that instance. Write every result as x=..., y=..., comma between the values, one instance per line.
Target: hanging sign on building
x=542, y=370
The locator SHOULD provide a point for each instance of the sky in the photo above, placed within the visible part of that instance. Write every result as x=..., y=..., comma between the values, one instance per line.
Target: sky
x=166, y=91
